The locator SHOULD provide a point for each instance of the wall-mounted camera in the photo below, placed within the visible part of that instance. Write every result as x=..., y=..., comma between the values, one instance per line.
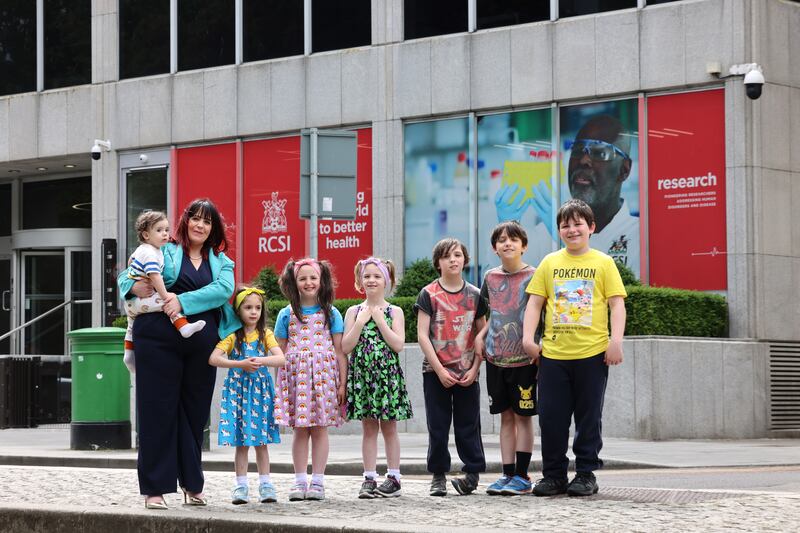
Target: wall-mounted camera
x=753, y=76
x=753, y=83
x=99, y=147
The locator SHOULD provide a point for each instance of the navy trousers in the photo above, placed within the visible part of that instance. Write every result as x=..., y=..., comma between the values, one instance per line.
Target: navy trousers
x=462, y=406
x=174, y=386
x=568, y=388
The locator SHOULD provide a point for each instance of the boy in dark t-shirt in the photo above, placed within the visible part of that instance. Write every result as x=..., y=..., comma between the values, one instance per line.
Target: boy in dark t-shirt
x=449, y=313
x=510, y=372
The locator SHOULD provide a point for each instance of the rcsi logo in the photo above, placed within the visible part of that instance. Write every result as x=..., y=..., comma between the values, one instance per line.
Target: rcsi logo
x=274, y=221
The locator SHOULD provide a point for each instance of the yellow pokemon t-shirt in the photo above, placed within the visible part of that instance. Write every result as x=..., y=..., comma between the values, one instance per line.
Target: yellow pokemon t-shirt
x=577, y=289
x=227, y=344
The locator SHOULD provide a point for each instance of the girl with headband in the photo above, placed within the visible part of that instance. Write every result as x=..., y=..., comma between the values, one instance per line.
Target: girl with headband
x=311, y=387
x=376, y=387
x=247, y=410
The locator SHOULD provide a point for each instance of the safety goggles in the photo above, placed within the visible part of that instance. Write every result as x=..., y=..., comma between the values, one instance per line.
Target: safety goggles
x=596, y=150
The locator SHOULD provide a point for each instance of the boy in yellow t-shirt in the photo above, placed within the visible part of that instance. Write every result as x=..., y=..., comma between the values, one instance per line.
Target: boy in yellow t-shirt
x=575, y=286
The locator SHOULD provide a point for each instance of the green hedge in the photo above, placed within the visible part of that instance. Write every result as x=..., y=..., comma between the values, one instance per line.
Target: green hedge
x=675, y=312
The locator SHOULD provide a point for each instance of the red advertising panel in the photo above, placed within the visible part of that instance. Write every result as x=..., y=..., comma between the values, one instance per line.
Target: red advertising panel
x=273, y=229
x=210, y=171
x=686, y=190
x=343, y=242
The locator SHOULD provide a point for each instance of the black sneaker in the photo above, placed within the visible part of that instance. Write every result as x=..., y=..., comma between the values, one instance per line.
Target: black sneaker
x=550, y=486
x=467, y=484
x=368, y=487
x=583, y=484
x=438, y=485
x=389, y=488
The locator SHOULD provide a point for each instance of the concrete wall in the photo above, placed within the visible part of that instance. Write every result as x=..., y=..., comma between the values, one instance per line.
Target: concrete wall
x=666, y=388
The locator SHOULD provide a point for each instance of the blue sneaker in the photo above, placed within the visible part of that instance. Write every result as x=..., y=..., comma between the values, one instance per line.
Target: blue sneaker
x=239, y=495
x=496, y=488
x=267, y=493
x=517, y=486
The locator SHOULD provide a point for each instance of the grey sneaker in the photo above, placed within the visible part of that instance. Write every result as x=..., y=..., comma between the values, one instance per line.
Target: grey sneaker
x=467, y=484
x=298, y=492
x=315, y=492
x=390, y=488
x=438, y=485
x=368, y=487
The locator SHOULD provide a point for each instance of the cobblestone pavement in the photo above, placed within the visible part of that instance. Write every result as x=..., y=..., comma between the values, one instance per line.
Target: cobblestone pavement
x=617, y=509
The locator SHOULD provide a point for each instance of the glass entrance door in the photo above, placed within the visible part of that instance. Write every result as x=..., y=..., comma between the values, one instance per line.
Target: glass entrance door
x=42, y=290
x=5, y=304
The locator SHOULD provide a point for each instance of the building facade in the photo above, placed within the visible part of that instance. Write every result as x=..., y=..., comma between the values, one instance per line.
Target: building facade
x=455, y=103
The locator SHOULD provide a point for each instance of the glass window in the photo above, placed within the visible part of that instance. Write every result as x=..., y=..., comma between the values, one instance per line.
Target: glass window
x=494, y=13
x=145, y=189
x=272, y=28
x=571, y=8
x=206, y=33
x=67, y=43
x=423, y=18
x=63, y=203
x=515, y=169
x=341, y=24
x=143, y=38
x=437, y=192
x=5, y=208
x=17, y=46
x=600, y=152
x=654, y=2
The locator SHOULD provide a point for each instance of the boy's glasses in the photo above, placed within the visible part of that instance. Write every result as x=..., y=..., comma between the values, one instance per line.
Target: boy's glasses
x=596, y=150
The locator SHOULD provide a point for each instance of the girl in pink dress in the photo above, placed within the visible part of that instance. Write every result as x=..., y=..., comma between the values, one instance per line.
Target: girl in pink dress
x=311, y=388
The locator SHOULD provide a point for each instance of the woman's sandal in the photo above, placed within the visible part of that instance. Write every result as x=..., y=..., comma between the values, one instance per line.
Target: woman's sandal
x=193, y=499
x=158, y=505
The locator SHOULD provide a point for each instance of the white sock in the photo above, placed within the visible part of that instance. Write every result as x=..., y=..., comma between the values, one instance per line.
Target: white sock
x=372, y=474
x=318, y=479
x=193, y=327
x=395, y=473
x=263, y=478
x=128, y=359
x=301, y=477
x=241, y=481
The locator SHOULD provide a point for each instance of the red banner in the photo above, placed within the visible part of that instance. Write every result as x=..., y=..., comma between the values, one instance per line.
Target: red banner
x=686, y=190
x=210, y=171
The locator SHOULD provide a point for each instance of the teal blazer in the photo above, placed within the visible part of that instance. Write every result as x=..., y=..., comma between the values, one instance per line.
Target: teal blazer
x=215, y=295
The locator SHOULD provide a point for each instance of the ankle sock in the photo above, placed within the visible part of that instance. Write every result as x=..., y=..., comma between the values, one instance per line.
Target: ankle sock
x=264, y=478
x=523, y=463
x=241, y=481
x=395, y=473
x=301, y=477
x=371, y=474
x=508, y=470
x=318, y=479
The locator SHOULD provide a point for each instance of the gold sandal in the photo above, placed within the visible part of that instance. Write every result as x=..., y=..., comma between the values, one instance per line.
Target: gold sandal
x=189, y=499
x=155, y=505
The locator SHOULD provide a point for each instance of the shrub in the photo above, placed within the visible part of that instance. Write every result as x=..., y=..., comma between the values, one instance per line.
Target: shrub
x=675, y=312
x=120, y=322
x=267, y=281
x=627, y=275
x=415, y=277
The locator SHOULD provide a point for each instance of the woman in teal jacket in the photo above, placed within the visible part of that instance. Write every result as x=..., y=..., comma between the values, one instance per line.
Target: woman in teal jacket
x=174, y=382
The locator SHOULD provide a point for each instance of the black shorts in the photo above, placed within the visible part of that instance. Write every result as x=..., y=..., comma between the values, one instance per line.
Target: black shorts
x=511, y=388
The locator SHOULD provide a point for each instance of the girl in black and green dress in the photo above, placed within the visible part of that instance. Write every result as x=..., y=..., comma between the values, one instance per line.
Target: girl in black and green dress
x=374, y=332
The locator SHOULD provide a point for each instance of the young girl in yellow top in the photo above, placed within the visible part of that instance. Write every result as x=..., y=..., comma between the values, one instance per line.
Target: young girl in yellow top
x=247, y=410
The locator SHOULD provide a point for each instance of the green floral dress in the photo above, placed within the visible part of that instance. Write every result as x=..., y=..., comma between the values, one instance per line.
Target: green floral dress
x=376, y=387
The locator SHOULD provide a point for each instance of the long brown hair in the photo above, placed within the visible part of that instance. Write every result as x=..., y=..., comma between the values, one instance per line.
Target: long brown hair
x=327, y=284
x=205, y=208
x=261, y=324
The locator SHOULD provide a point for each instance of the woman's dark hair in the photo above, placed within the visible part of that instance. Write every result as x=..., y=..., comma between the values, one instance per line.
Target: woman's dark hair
x=261, y=324
x=205, y=208
x=327, y=284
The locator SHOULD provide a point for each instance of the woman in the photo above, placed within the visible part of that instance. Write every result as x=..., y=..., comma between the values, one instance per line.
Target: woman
x=174, y=382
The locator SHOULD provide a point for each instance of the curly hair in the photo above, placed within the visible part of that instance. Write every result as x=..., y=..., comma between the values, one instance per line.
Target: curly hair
x=146, y=220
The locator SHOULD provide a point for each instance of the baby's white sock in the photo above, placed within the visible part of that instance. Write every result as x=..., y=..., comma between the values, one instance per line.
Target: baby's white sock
x=128, y=359
x=191, y=328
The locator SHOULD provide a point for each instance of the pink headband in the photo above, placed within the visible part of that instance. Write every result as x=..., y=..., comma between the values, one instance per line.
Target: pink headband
x=308, y=261
x=378, y=263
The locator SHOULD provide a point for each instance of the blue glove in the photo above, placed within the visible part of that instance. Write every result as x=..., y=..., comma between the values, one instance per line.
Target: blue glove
x=543, y=205
x=510, y=211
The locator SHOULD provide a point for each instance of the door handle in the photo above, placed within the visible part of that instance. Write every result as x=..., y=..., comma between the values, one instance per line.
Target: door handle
x=3, y=300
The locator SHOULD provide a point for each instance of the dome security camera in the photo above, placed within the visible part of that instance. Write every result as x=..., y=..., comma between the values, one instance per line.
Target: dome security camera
x=753, y=83
x=99, y=147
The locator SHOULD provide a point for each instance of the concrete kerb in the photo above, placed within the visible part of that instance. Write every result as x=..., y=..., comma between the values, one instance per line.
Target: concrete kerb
x=38, y=519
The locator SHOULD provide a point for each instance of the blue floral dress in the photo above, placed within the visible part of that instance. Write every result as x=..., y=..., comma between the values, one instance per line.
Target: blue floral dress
x=247, y=409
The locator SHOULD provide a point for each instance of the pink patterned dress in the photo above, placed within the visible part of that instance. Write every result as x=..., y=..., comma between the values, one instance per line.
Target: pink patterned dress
x=306, y=386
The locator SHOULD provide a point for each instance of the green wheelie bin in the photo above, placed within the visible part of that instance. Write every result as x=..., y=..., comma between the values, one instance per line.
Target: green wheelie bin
x=100, y=390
